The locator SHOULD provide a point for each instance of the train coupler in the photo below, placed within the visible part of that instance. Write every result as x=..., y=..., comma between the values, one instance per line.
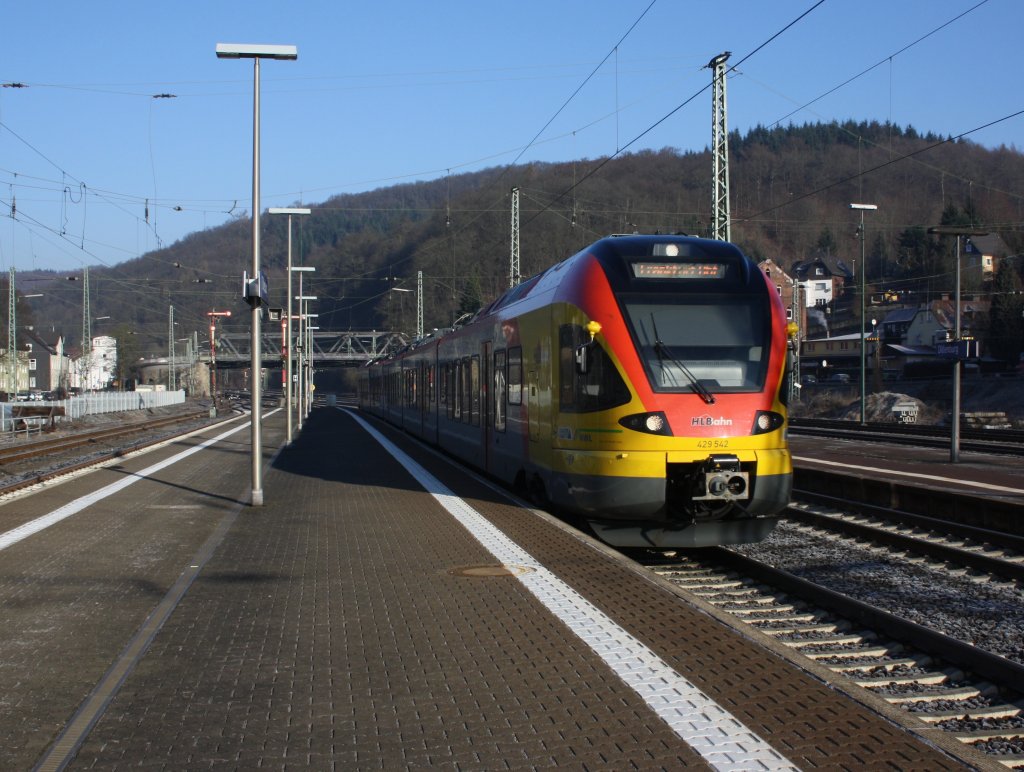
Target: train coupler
x=721, y=479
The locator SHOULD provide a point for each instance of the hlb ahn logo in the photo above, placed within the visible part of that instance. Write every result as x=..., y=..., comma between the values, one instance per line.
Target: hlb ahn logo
x=706, y=420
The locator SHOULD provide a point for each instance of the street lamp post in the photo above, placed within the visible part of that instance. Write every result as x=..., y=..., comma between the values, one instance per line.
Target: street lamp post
x=299, y=338
x=954, y=446
x=255, y=299
x=303, y=347
x=309, y=365
x=288, y=320
x=310, y=385
x=401, y=307
x=863, y=311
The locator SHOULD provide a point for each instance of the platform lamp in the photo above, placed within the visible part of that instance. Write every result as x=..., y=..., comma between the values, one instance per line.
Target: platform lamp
x=288, y=317
x=309, y=362
x=256, y=296
x=944, y=230
x=299, y=335
x=863, y=311
x=310, y=386
x=303, y=348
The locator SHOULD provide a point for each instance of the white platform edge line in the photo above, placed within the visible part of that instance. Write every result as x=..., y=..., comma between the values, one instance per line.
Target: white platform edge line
x=918, y=475
x=720, y=738
x=43, y=522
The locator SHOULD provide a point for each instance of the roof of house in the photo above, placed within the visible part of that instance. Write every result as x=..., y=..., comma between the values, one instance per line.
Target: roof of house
x=43, y=340
x=834, y=265
x=900, y=315
x=989, y=244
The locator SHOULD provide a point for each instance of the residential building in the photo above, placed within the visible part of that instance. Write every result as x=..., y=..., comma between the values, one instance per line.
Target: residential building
x=48, y=365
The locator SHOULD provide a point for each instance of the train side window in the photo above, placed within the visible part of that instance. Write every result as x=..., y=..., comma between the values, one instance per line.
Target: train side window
x=448, y=384
x=567, y=342
x=457, y=390
x=474, y=389
x=465, y=390
x=599, y=388
x=515, y=376
x=500, y=392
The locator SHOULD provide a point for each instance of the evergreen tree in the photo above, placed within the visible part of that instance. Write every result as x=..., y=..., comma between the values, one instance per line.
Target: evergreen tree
x=1006, y=323
x=826, y=242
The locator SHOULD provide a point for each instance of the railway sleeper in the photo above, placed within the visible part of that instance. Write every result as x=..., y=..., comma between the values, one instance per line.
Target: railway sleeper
x=737, y=607
x=719, y=585
x=997, y=711
x=874, y=664
x=927, y=679
x=930, y=695
x=991, y=734
x=792, y=629
x=832, y=640
x=882, y=650
x=756, y=616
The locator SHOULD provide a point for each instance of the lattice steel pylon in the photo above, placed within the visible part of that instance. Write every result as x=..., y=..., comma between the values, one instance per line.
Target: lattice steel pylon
x=419, y=304
x=513, y=263
x=171, y=381
x=86, y=332
x=720, y=228
x=12, y=348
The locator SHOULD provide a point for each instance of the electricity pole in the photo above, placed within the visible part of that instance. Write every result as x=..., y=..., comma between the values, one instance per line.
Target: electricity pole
x=513, y=266
x=720, y=224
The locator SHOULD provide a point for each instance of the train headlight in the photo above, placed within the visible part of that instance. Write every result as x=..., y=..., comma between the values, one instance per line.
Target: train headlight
x=766, y=421
x=649, y=423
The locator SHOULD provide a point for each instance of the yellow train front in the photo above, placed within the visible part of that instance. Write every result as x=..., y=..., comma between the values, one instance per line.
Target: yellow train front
x=637, y=384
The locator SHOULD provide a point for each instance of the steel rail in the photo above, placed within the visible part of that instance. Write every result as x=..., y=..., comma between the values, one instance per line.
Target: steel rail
x=57, y=445
x=1000, y=539
x=997, y=669
x=941, y=552
x=1007, y=441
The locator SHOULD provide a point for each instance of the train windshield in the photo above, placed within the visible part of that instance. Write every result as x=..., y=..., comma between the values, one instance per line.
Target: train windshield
x=705, y=344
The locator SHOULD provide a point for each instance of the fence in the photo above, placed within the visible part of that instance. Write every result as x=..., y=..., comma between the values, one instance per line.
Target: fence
x=99, y=402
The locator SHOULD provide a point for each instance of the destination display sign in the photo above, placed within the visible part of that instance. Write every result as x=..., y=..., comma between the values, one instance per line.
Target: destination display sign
x=648, y=270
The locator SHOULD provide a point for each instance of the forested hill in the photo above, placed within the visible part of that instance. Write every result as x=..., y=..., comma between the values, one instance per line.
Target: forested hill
x=790, y=193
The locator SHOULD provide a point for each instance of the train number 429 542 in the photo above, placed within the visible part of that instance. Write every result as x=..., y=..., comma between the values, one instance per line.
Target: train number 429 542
x=712, y=444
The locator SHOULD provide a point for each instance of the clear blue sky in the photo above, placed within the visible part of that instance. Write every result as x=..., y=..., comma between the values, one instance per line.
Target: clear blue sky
x=386, y=92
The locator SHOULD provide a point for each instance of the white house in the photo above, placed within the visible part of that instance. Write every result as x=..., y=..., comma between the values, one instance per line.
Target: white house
x=97, y=369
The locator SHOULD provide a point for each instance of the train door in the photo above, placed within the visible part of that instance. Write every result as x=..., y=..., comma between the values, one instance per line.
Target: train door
x=486, y=401
x=533, y=405
x=421, y=396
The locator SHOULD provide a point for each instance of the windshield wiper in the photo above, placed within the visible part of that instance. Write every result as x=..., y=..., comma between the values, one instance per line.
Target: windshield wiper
x=663, y=352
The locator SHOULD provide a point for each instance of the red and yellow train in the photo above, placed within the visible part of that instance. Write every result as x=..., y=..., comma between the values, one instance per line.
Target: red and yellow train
x=638, y=383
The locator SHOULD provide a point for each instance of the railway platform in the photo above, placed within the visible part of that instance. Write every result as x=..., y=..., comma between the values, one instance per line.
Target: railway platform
x=984, y=489
x=384, y=610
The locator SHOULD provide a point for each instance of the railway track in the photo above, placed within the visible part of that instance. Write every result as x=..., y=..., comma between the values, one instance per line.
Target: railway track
x=80, y=439
x=1002, y=441
x=942, y=541
x=975, y=695
x=29, y=463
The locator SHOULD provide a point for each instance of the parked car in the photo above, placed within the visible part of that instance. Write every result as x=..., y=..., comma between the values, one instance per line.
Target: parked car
x=808, y=380
x=839, y=378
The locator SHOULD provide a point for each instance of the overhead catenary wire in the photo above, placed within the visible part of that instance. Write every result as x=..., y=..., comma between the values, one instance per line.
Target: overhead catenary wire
x=679, y=107
x=456, y=212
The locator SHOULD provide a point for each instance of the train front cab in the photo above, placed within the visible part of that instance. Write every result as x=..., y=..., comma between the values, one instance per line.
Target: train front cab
x=668, y=428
